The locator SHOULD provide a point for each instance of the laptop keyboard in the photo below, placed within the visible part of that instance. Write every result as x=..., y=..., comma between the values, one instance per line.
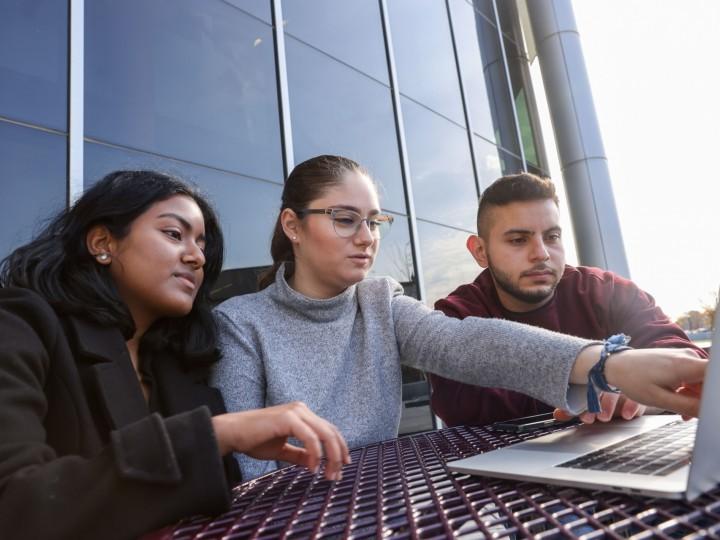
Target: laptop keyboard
x=657, y=452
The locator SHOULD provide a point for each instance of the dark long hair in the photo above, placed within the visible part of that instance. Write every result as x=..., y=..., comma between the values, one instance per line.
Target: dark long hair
x=308, y=181
x=58, y=266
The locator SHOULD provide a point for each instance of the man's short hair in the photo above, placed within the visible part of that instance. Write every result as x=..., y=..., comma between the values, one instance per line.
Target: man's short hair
x=520, y=187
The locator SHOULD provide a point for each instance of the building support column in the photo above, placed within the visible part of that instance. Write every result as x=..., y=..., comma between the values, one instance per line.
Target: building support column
x=76, y=101
x=577, y=134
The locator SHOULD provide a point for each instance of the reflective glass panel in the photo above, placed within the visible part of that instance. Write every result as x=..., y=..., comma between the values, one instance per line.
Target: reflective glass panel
x=470, y=33
x=424, y=56
x=337, y=110
x=479, y=51
x=260, y=8
x=440, y=167
x=416, y=414
x=524, y=103
x=33, y=61
x=487, y=162
x=349, y=30
x=540, y=172
x=508, y=15
x=188, y=83
x=394, y=257
x=446, y=262
x=34, y=186
x=483, y=6
x=509, y=163
x=247, y=207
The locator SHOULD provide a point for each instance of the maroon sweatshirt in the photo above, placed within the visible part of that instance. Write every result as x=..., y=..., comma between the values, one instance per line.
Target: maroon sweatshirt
x=588, y=302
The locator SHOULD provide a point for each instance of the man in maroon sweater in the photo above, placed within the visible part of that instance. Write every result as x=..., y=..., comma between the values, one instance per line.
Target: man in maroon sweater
x=519, y=244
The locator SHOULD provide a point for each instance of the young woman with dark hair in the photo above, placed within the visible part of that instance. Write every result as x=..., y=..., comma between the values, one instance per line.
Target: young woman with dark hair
x=107, y=426
x=320, y=331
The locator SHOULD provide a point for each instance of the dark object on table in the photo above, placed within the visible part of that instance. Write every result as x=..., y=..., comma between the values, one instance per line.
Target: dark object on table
x=531, y=423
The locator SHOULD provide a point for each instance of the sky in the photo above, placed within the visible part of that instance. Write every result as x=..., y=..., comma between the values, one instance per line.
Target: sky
x=655, y=79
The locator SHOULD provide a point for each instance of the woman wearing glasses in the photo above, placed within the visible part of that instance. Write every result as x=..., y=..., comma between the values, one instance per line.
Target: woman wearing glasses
x=322, y=333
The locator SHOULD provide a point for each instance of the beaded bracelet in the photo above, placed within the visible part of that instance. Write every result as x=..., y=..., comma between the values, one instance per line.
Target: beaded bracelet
x=596, y=377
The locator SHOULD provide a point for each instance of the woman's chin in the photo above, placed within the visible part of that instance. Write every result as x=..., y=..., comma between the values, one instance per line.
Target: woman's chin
x=356, y=275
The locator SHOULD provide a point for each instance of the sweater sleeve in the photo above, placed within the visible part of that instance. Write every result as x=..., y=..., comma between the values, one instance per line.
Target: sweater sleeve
x=240, y=377
x=111, y=494
x=490, y=352
x=634, y=312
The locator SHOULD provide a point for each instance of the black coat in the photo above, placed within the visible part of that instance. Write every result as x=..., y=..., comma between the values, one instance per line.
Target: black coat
x=81, y=456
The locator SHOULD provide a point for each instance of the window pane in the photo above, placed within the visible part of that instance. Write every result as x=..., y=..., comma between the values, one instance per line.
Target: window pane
x=540, y=172
x=424, y=57
x=483, y=6
x=247, y=207
x=33, y=61
x=197, y=85
x=337, y=110
x=524, y=103
x=34, y=185
x=350, y=30
x=259, y=8
x=487, y=160
x=471, y=31
x=480, y=52
x=509, y=21
x=395, y=259
x=440, y=167
x=510, y=164
x=446, y=262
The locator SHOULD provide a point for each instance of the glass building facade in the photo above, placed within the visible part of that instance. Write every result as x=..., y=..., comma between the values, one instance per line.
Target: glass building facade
x=432, y=96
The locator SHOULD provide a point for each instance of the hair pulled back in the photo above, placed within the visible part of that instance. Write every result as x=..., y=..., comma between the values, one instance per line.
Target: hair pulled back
x=57, y=264
x=308, y=181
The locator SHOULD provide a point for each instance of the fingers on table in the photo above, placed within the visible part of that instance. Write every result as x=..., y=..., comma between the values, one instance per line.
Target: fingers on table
x=316, y=434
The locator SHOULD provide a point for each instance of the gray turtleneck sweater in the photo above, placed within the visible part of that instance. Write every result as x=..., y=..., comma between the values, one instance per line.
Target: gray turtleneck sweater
x=342, y=356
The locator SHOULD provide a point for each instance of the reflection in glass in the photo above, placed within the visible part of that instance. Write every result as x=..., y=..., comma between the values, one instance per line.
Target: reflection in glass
x=540, y=172
x=509, y=163
x=337, y=110
x=416, y=415
x=440, y=167
x=525, y=104
x=509, y=21
x=350, y=30
x=33, y=61
x=394, y=258
x=259, y=8
x=482, y=52
x=197, y=85
x=424, y=56
x=34, y=186
x=483, y=6
x=487, y=161
x=468, y=26
x=247, y=207
x=446, y=262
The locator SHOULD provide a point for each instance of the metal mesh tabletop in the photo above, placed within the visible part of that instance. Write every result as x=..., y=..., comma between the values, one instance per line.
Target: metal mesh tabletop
x=401, y=489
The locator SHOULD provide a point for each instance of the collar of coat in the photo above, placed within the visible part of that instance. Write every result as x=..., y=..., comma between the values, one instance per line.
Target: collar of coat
x=101, y=353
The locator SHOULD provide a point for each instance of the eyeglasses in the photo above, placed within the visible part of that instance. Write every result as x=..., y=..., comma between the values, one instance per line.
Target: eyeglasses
x=347, y=222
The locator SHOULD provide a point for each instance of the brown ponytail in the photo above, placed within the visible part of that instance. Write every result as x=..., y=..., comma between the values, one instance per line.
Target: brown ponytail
x=308, y=181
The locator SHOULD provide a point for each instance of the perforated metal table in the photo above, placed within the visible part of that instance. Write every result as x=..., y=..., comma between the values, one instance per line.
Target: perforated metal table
x=401, y=489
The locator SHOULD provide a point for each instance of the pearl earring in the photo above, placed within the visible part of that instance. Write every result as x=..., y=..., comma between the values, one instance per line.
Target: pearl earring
x=294, y=238
x=103, y=257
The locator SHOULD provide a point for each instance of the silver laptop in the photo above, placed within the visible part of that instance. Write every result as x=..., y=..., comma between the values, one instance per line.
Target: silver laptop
x=658, y=456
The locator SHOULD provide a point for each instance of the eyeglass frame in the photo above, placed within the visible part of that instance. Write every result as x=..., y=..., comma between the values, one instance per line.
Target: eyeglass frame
x=332, y=209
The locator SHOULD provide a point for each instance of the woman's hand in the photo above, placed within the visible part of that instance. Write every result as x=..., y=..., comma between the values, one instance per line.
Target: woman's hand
x=263, y=434
x=650, y=376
